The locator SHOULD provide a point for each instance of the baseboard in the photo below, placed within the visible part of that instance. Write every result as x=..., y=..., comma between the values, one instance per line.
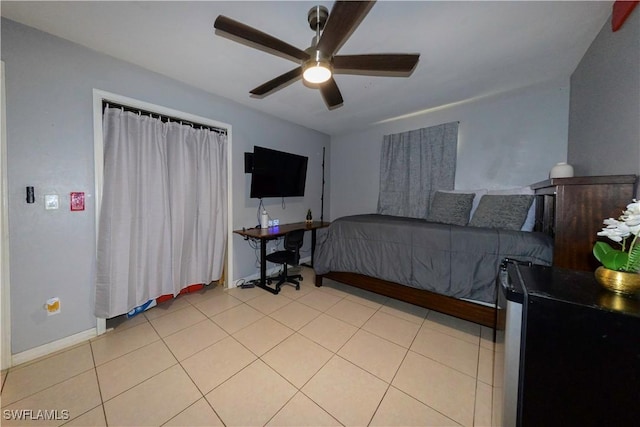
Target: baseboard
x=52, y=347
x=270, y=271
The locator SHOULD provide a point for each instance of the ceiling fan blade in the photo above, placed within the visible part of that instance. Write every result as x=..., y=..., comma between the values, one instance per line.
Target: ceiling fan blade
x=248, y=33
x=344, y=18
x=331, y=94
x=394, y=63
x=279, y=81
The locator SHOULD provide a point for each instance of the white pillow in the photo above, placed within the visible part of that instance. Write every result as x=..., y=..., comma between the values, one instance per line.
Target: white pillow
x=476, y=199
x=530, y=222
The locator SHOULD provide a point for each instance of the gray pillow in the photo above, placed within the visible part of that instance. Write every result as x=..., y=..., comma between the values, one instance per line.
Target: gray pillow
x=450, y=208
x=502, y=211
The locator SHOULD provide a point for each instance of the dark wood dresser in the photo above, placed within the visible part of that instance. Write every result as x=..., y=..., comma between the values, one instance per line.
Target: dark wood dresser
x=571, y=210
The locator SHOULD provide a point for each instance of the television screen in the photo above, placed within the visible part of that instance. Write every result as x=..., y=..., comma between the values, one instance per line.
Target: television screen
x=277, y=174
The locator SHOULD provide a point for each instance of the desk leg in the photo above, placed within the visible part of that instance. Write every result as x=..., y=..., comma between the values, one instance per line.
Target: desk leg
x=263, y=261
x=263, y=268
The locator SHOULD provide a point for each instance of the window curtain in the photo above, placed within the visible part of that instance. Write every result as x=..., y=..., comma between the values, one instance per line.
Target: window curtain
x=163, y=218
x=413, y=165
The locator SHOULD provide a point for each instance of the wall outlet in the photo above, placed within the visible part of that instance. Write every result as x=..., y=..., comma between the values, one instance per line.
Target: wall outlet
x=52, y=306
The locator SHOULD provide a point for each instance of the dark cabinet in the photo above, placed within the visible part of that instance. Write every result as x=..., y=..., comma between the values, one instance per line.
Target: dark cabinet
x=579, y=351
x=571, y=210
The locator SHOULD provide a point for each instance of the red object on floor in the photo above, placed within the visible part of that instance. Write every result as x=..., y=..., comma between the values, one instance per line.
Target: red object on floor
x=192, y=288
x=163, y=298
x=621, y=11
x=188, y=289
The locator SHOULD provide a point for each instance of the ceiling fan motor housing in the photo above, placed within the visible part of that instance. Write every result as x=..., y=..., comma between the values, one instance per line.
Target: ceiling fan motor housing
x=317, y=17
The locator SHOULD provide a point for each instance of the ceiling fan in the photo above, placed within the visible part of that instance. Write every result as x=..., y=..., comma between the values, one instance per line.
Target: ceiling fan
x=319, y=62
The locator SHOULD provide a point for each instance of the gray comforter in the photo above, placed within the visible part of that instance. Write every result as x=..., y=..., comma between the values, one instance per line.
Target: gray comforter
x=456, y=261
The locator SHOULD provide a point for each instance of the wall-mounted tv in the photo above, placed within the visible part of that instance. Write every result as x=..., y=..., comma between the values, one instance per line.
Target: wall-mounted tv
x=277, y=174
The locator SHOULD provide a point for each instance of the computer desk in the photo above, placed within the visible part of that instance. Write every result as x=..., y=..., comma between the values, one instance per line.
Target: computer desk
x=271, y=233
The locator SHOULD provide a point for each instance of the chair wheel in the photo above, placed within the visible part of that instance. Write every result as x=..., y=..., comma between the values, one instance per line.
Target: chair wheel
x=297, y=287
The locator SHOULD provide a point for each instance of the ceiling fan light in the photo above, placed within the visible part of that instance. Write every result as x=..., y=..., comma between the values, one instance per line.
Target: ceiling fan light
x=317, y=72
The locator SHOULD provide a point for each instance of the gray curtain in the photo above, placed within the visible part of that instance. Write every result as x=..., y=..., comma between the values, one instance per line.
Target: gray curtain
x=163, y=218
x=413, y=165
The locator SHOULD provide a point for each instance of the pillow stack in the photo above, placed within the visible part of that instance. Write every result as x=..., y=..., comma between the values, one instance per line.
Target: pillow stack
x=510, y=209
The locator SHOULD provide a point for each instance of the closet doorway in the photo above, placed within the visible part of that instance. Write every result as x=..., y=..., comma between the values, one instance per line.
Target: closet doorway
x=219, y=132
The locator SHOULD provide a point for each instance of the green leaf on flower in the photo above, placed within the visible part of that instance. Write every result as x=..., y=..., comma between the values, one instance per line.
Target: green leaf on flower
x=613, y=259
x=600, y=249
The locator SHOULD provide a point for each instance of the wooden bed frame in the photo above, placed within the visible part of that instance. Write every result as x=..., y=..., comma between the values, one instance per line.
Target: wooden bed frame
x=477, y=313
x=595, y=197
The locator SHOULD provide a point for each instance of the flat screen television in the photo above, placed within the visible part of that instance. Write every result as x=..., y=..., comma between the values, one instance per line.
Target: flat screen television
x=277, y=174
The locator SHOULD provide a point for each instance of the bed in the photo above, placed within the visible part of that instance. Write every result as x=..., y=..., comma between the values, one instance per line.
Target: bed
x=444, y=267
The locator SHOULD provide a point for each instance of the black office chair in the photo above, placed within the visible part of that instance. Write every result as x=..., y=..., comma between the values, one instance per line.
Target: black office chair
x=290, y=255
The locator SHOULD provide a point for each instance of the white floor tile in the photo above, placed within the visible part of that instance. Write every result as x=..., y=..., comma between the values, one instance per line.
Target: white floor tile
x=117, y=343
x=154, y=401
x=392, y=328
x=329, y=332
x=376, y=355
x=75, y=396
x=400, y=409
x=195, y=338
x=349, y=393
x=297, y=359
x=328, y=356
x=217, y=363
x=448, y=350
x=351, y=312
x=295, y=315
x=200, y=414
x=444, y=389
x=123, y=373
x=302, y=411
x=263, y=335
x=251, y=397
x=34, y=377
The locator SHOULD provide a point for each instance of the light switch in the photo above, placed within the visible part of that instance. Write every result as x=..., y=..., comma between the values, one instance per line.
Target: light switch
x=51, y=201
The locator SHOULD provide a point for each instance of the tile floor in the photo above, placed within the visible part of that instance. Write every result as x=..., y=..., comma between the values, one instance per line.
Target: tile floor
x=327, y=356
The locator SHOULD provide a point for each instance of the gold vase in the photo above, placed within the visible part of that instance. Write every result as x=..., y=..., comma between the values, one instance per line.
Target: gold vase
x=617, y=302
x=621, y=282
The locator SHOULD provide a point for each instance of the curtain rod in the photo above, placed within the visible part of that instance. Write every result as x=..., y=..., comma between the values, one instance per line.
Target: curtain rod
x=163, y=117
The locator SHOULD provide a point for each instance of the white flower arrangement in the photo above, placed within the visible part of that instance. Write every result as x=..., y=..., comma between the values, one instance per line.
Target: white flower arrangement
x=619, y=230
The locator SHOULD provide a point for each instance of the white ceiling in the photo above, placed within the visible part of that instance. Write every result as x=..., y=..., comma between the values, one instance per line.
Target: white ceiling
x=467, y=49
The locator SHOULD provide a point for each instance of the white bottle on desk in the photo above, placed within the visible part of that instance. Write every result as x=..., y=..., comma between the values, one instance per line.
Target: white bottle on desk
x=264, y=219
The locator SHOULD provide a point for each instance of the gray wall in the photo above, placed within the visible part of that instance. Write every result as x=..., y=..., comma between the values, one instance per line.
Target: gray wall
x=504, y=141
x=604, y=122
x=49, y=83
